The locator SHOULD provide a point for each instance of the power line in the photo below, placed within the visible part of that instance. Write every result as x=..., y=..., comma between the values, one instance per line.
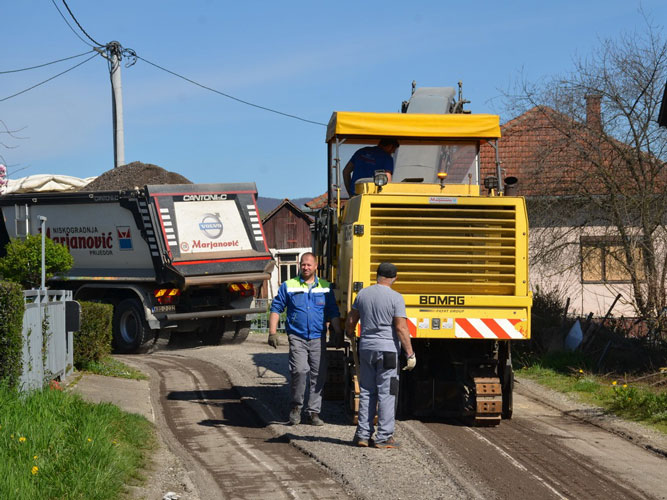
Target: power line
x=68, y=24
x=81, y=27
x=230, y=96
x=45, y=64
x=48, y=79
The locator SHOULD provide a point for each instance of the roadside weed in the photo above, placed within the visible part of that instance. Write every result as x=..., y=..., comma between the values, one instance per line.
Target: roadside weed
x=636, y=402
x=111, y=367
x=55, y=445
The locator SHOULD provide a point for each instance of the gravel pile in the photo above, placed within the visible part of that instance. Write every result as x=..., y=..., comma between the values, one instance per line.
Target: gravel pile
x=135, y=174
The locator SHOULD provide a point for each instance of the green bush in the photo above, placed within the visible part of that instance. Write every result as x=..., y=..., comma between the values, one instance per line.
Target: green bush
x=23, y=260
x=548, y=309
x=93, y=341
x=638, y=403
x=11, y=331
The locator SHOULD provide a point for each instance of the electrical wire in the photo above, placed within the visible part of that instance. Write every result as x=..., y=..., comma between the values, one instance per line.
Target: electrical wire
x=81, y=27
x=48, y=79
x=230, y=96
x=68, y=24
x=45, y=64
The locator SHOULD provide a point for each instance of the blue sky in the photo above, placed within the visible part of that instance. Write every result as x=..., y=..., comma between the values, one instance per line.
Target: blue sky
x=304, y=58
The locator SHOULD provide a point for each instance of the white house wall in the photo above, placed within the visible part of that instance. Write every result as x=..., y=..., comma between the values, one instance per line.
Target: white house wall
x=563, y=274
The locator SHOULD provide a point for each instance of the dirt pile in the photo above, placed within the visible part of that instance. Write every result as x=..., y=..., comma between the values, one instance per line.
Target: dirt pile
x=135, y=174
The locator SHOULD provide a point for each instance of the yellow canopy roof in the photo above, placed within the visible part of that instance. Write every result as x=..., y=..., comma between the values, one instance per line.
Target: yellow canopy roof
x=406, y=125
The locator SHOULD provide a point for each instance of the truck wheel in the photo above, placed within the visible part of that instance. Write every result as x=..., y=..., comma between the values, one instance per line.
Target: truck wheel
x=130, y=330
x=212, y=334
x=238, y=332
x=225, y=331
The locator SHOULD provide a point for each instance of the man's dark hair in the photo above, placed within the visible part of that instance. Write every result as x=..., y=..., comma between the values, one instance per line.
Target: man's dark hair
x=388, y=141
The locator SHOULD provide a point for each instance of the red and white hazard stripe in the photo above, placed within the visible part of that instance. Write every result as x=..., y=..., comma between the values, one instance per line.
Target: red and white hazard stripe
x=412, y=326
x=487, y=328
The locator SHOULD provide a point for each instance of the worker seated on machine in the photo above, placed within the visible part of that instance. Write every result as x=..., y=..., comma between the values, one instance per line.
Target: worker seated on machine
x=366, y=161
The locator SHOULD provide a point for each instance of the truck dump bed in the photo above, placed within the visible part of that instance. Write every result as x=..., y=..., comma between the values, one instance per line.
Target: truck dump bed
x=182, y=234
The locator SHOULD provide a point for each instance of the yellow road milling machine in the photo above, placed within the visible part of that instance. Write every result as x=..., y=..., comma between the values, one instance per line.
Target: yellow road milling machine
x=460, y=244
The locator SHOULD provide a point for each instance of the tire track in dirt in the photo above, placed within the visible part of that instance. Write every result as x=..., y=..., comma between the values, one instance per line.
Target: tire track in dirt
x=520, y=461
x=205, y=414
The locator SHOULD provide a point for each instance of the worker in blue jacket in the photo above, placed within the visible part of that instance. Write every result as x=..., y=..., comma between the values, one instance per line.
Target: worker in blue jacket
x=310, y=305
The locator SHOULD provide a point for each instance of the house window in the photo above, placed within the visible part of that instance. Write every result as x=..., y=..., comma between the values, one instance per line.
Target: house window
x=603, y=260
x=289, y=265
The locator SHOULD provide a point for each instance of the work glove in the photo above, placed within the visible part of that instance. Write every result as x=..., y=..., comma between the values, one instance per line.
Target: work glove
x=412, y=362
x=273, y=340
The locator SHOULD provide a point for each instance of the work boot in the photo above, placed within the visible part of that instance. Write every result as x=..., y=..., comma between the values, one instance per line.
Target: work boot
x=314, y=419
x=295, y=416
x=387, y=443
x=360, y=442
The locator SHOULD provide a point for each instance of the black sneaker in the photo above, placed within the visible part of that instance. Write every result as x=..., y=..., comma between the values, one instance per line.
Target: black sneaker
x=295, y=416
x=387, y=443
x=314, y=419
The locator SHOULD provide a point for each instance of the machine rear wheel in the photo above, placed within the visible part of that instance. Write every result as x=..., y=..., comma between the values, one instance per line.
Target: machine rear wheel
x=130, y=330
x=508, y=389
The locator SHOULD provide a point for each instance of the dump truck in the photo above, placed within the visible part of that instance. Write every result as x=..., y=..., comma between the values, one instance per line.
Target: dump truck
x=179, y=258
x=460, y=244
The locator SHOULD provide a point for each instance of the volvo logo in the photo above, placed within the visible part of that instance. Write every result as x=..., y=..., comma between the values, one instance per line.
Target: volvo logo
x=211, y=226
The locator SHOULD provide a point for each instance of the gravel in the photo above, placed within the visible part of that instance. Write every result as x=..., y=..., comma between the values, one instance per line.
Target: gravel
x=260, y=375
x=134, y=175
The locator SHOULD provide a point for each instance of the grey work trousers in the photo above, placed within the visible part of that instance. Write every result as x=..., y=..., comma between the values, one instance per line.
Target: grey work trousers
x=307, y=358
x=378, y=388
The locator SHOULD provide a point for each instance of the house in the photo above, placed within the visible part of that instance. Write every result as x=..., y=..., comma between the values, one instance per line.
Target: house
x=575, y=248
x=288, y=236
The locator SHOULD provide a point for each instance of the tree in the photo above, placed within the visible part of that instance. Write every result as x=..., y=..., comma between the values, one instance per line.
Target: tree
x=606, y=158
x=23, y=260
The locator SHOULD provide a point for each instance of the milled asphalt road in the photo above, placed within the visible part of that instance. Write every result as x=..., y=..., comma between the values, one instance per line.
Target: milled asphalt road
x=437, y=460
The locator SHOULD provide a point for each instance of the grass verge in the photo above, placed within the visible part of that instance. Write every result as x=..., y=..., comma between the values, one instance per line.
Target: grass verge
x=55, y=445
x=111, y=367
x=619, y=395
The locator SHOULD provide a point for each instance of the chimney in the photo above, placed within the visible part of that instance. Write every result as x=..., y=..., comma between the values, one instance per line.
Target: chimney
x=593, y=117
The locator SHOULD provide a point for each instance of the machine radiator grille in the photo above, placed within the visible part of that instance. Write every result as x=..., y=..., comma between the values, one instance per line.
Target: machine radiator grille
x=446, y=249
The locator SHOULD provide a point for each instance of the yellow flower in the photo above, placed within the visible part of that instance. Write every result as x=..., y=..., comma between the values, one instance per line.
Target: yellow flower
x=34, y=457
x=625, y=386
x=89, y=440
x=581, y=371
x=21, y=439
x=34, y=470
x=613, y=383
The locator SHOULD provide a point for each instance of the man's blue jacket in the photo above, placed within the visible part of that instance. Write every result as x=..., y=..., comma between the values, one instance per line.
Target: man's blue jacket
x=307, y=310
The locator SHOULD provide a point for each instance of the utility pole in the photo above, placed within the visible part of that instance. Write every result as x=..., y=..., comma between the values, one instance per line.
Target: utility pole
x=114, y=56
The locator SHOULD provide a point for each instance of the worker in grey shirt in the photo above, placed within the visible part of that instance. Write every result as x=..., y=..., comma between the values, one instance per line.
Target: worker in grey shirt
x=383, y=324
